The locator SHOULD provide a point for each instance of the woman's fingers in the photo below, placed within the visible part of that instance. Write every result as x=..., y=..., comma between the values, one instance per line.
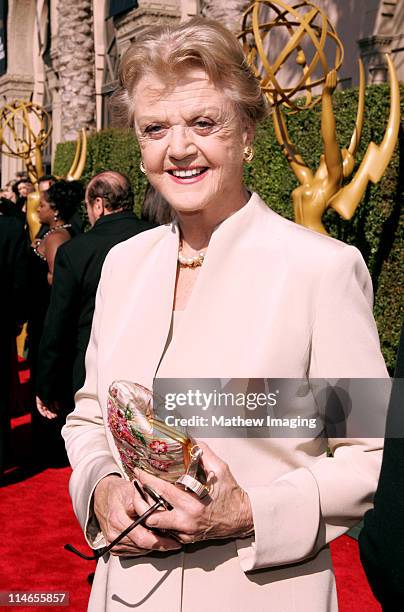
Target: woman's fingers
x=171, y=493
x=44, y=410
x=210, y=461
x=186, y=506
x=146, y=539
x=126, y=551
x=117, y=503
x=193, y=518
x=140, y=541
x=50, y=415
x=225, y=512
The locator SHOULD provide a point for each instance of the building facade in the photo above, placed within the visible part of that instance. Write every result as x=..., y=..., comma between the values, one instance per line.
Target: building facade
x=64, y=54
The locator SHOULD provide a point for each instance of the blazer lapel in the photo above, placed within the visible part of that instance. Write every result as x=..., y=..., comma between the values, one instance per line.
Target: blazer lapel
x=141, y=334
x=219, y=301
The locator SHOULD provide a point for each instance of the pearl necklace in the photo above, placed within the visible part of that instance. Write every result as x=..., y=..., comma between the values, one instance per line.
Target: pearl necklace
x=191, y=262
x=40, y=240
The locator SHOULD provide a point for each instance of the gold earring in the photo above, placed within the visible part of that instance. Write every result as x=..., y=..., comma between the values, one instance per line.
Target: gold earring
x=142, y=168
x=248, y=154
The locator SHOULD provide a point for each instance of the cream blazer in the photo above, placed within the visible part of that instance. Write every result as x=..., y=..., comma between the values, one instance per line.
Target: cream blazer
x=272, y=299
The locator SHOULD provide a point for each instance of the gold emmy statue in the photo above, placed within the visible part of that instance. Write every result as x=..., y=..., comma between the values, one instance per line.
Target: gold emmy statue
x=308, y=31
x=80, y=156
x=25, y=128
x=23, y=133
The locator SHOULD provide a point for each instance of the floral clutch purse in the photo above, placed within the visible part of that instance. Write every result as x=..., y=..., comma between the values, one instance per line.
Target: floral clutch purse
x=144, y=441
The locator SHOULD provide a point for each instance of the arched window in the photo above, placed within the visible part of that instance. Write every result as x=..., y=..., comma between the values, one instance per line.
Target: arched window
x=117, y=7
x=47, y=150
x=3, y=36
x=110, y=76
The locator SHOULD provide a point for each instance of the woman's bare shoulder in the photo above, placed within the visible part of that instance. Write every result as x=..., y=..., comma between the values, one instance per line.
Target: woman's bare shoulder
x=56, y=237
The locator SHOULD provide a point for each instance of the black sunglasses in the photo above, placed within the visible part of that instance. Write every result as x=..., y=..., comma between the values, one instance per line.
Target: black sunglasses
x=159, y=502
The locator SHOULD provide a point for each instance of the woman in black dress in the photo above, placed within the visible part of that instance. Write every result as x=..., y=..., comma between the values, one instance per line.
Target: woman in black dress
x=57, y=204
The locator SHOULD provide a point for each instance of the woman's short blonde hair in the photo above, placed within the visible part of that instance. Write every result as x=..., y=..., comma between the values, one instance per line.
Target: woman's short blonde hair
x=168, y=50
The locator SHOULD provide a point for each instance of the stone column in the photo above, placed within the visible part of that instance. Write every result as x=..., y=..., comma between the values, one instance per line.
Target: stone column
x=228, y=13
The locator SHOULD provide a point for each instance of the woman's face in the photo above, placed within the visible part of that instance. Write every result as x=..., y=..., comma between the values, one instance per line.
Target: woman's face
x=192, y=142
x=46, y=213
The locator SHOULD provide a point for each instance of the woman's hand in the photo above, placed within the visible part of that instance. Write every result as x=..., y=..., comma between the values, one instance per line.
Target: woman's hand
x=225, y=512
x=45, y=411
x=116, y=505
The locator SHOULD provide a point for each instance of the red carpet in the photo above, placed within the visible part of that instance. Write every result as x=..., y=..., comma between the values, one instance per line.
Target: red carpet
x=354, y=594
x=37, y=520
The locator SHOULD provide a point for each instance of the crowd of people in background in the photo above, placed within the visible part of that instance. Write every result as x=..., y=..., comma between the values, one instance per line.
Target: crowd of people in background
x=13, y=197
x=50, y=282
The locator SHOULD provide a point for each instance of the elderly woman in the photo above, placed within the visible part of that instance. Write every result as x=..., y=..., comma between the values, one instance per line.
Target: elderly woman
x=229, y=289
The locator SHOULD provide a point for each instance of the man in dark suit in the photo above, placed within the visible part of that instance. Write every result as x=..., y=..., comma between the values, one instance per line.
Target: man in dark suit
x=78, y=264
x=381, y=540
x=13, y=311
